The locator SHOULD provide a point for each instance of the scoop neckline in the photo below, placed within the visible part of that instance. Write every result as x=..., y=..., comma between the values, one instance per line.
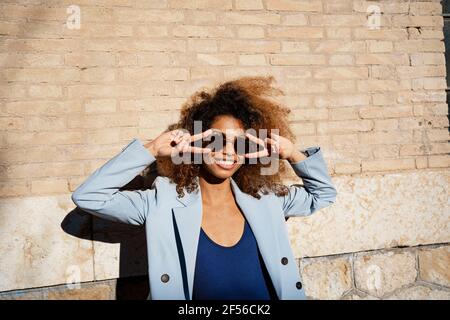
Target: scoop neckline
x=226, y=247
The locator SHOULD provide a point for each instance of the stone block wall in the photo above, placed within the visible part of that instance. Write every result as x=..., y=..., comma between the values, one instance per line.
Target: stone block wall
x=365, y=81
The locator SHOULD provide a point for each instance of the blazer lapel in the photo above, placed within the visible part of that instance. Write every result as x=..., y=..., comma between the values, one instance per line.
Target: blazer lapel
x=189, y=218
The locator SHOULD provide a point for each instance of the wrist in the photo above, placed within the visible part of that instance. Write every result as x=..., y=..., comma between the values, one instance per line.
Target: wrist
x=150, y=146
x=296, y=156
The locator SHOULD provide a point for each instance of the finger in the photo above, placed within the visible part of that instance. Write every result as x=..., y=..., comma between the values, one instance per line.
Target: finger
x=274, y=145
x=255, y=139
x=200, y=135
x=262, y=153
x=198, y=149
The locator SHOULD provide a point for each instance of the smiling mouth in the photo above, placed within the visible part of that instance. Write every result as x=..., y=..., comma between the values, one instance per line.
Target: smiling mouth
x=225, y=164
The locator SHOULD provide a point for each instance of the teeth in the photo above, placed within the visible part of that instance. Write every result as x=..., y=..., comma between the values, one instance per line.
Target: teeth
x=224, y=163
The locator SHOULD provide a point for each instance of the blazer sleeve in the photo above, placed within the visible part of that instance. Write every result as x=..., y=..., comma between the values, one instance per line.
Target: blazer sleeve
x=99, y=194
x=317, y=191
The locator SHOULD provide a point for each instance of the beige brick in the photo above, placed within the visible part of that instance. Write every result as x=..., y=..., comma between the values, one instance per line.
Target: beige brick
x=266, y=19
x=102, y=136
x=304, y=114
x=15, y=60
x=337, y=46
x=341, y=60
x=295, y=32
x=305, y=86
x=386, y=151
x=303, y=129
x=380, y=34
x=383, y=58
x=13, y=91
x=380, y=137
x=425, y=8
x=249, y=4
x=385, y=124
x=43, y=138
x=342, y=100
x=347, y=168
x=147, y=15
x=103, y=121
x=38, y=123
x=424, y=149
x=342, y=140
x=417, y=21
x=416, y=33
x=412, y=46
x=441, y=161
x=98, y=75
x=100, y=106
x=12, y=123
x=427, y=58
x=348, y=113
x=43, y=107
x=342, y=86
x=218, y=59
x=197, y=17
x=330, y=127
x=377, y=85
x=338, y=6
x=338, y=33
x=299, y=19
x=45, y=91
x=252, y=46
x=375, y=46
x=201, y=4
x=385, y=6
x=49, y=186
x=431, y=135
x=101, y=91
x=292, y=5
x=202, y=31
x=154, y=73
x=92, y=59
x=388, y=165
x=153, y=59
x=342, y=73
x=152, y=31
x=385, y=112
x=252, y=60
x=37, y=170
x=429, y=84
x=250, y=32
x=294, y=46
x=202, y=45
x=297, y=59
x=14, y=188
x=40, y=75
x=344, y=20
x=421, y=162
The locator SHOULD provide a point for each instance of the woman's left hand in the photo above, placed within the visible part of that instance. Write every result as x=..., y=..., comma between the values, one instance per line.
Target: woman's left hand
x=276, y=145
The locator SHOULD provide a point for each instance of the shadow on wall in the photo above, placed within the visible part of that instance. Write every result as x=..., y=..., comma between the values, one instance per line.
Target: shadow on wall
x=133, y=280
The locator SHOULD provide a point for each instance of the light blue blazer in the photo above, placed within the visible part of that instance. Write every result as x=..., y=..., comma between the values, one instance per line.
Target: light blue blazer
x=172, y=224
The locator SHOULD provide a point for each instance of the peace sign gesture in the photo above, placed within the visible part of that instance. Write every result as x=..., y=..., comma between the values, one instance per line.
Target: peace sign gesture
x=276, y=145
x=176, y=141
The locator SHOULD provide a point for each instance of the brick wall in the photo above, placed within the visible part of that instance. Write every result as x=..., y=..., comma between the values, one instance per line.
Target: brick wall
x=373, y=99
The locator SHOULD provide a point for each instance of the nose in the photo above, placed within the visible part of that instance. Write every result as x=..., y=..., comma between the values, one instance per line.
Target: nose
x=229, y=148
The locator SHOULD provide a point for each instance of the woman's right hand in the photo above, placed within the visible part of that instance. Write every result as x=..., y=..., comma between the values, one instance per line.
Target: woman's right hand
x=176, y=141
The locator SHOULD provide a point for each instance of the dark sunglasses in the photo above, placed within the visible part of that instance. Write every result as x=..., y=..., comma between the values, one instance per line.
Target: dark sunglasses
x=217, y=140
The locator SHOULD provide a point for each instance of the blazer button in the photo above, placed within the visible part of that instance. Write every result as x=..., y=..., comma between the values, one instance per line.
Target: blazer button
x=284, y=260
x=165, y=277
x=298, y=285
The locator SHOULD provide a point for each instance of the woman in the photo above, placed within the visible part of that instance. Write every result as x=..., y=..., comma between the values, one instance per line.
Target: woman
x=216, y=227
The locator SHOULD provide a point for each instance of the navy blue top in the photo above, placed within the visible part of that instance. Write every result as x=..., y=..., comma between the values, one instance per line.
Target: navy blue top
x=237, y=272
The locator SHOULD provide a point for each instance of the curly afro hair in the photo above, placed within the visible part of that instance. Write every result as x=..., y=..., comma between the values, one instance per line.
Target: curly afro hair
x=248, y=100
